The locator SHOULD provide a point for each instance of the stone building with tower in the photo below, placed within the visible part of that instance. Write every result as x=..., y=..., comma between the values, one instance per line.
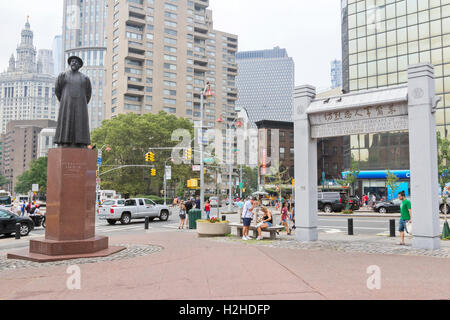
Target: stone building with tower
x=27, y=88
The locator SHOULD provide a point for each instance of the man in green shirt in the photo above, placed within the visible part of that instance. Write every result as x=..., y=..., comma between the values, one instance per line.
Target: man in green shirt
x=405, y=211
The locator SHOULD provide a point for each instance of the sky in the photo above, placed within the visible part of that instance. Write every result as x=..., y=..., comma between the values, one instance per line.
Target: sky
x=309, y=30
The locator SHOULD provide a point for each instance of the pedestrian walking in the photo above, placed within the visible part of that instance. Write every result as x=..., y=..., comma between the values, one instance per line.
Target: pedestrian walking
x=22, y=209
x=182, y=215
x=266, y=222
x=197, y=203
x=374, y=199
x=405, y=216
x=365, y=200
x=247, y=216
x=284, y=218
x=208, y=209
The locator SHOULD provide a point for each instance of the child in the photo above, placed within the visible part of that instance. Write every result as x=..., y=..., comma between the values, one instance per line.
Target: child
x=208, y=209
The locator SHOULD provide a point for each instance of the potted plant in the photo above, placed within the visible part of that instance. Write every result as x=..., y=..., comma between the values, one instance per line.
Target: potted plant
x=213, y=227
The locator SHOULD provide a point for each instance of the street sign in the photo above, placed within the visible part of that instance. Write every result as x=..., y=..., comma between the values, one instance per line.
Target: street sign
x=208, y=160
x=98, y=181
x=35, y=188
x=196, y=168
x=168, y=172
x=99, y=161
x=241, y=185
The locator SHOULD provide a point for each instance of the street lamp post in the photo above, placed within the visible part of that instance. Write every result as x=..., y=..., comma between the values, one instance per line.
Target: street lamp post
x=235, y=123
x=205, y=92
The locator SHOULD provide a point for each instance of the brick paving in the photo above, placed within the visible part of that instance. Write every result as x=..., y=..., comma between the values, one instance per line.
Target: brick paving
x=131, y=251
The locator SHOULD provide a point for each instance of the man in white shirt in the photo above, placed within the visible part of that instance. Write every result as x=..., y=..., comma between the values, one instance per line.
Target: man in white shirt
x=247, y=216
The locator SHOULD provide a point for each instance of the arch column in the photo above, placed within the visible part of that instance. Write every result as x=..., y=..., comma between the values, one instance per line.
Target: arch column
x=305, y=149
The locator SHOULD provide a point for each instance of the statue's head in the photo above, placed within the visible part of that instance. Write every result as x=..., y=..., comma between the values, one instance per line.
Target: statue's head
x=75, y=63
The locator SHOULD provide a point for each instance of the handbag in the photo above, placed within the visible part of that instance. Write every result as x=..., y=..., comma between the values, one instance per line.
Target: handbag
x=409, y=227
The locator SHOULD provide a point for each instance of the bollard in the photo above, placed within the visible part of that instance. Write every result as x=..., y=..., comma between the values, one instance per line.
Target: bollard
x=17, y=231
x=224, y=218
x=147, y=221
x=392, y=228
x=350, y=227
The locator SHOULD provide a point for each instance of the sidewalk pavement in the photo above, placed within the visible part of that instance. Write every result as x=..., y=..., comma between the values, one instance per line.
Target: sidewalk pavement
x=183, y=266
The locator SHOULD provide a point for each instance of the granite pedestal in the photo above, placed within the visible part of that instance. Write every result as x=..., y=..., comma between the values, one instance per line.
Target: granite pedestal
x=70, y=232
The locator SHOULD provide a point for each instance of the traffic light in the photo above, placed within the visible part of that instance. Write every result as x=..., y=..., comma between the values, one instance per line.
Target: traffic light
x=153, y=172
x=188, y=154
x=150, y=157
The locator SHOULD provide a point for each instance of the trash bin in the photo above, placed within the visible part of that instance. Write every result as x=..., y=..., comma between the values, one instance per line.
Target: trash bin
x=194, y=215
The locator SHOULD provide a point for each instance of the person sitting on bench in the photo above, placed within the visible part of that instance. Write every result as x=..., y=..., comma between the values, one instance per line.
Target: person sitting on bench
x=266, y=222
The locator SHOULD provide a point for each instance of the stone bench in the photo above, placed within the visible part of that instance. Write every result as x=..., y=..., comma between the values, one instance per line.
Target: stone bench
x=272, y=230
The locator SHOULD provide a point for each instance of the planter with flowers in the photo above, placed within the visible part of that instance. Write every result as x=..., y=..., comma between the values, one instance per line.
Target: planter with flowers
x=213, y=228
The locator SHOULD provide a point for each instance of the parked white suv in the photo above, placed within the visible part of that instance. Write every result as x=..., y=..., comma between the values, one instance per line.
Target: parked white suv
x=136, y=208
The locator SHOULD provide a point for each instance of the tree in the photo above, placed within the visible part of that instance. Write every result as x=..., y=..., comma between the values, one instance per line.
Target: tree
x=3, y=180
x=349, y=181
x=278, y=176
x=130, y=137
x=392, y=182
x=443, y=160
x=250, y=177
x=444, y=176
x=37, y=174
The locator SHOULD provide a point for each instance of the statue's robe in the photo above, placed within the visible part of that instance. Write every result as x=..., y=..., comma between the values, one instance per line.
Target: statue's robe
x=74, y=91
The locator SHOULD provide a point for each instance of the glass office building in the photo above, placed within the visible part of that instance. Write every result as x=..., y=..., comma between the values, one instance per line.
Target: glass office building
x=265, y=83
x=380, y=38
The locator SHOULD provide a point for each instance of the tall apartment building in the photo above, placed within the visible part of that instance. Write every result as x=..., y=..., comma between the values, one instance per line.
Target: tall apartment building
x=25, y=92
x=336, y=74
x=380, y=39
x=20, y=147
x=160, y=55
x=265, y=83
x=84, y=24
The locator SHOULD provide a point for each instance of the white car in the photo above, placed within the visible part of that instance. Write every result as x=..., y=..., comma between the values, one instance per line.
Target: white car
x=133, y=209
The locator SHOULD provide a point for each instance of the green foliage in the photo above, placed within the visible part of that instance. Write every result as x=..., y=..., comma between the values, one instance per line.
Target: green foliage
x=156, y=199
x=351, y=177
x=130, y=136
x=278, y=176
x=181, y=189
x=392, y=181
x=37, y=174
x=443, y=160
x=349, y=181
x=250, y=177
x=3, y=180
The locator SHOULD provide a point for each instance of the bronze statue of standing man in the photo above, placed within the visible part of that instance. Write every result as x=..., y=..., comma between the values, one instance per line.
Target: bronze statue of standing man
x=73, y=90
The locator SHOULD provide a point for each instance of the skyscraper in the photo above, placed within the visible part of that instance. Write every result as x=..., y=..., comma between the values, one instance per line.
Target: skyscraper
x=265, y=83
x=336, y=74
x=26, y=93
x=160, y=56
x=380, y=39
x=57, y=55
x=84, y=25
x=45, y=61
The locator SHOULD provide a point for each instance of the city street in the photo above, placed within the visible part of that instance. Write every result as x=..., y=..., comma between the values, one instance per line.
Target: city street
x=327, y=224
